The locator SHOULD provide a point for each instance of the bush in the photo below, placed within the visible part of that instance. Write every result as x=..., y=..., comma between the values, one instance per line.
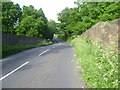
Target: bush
x=100, y=67
x=61, y=36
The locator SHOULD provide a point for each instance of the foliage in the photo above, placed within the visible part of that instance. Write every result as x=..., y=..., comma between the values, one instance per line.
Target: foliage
x=60, y=36
x=44, y=43
x=26, y=21
x=51, y=25
x=33, y=22
x=100, y=67
x=75, y=21
x=12, y=49
x=11, y=14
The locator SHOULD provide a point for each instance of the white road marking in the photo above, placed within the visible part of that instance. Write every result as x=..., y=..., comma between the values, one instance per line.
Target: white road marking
x=55, y=45
x=14, y=71
x=44, y=52
x=22, y=64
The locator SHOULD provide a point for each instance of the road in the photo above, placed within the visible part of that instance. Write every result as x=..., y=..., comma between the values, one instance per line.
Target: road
x=43, y=67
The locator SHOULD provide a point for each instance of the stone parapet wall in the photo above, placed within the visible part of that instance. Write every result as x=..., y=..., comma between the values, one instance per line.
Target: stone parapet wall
x=12, y=39
x=107, y=33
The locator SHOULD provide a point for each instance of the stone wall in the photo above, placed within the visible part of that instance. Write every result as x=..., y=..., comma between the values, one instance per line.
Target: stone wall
x=105, y=32
x=12, y=39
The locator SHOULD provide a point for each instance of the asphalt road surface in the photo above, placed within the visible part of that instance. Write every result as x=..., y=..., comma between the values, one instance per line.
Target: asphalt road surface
x=43, y=67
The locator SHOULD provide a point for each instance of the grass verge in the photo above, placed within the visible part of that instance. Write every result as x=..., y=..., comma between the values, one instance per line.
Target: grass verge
x=100, y=67
x=12, y=49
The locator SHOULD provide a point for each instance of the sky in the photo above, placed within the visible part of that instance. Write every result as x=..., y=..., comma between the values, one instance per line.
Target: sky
x=50, y=7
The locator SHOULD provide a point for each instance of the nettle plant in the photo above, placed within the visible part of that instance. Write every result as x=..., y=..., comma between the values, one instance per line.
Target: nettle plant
x=107, y=62
x=99, y=66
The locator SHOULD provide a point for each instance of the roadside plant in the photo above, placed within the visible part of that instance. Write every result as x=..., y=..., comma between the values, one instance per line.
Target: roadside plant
x=99, y=66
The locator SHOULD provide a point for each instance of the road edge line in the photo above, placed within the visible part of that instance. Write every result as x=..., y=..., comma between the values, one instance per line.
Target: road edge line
x=14, y=71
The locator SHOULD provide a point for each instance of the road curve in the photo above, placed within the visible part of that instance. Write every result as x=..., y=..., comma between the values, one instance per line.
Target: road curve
x=43, y=67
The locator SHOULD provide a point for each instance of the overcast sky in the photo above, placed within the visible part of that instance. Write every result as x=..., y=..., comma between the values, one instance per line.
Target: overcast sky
x=50, y=7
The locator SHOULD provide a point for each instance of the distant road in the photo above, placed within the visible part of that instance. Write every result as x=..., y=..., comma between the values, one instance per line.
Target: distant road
x=43, y=67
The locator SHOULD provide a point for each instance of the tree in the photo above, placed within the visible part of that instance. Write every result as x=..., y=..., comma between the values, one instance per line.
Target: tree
x=74, y=21
x=111, y=12
x=33, y=22
x=51, y=29
x=65, y=18
x=26, y=21
x=11, y=14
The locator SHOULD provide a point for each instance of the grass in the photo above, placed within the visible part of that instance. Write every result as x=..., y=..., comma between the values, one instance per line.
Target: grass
x=12, y=49
x=99, y=67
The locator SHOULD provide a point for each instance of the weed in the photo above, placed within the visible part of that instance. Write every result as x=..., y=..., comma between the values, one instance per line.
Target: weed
x=12, y=49
x=99, y=66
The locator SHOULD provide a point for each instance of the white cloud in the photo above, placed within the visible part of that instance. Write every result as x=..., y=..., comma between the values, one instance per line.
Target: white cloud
x=50, y=7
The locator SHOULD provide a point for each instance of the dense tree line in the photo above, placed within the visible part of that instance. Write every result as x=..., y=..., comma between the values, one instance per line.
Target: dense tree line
x=76, y=20
x=26, y=21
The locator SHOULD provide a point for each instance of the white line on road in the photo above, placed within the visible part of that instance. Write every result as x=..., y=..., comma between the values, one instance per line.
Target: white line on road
x=14, y=71
x=44, y=52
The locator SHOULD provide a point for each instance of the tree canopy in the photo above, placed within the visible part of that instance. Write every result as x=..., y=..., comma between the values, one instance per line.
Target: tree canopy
x=11, y=14
x=26, y=21
x=77, y=20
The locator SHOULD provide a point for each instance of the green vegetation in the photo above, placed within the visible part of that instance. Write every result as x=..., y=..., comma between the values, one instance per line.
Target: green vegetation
x=26, y=21
x=100, y=67
x=12, y=49
x=44, y=43
x=11, y=14
x=75, y=21
x=60, y=36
